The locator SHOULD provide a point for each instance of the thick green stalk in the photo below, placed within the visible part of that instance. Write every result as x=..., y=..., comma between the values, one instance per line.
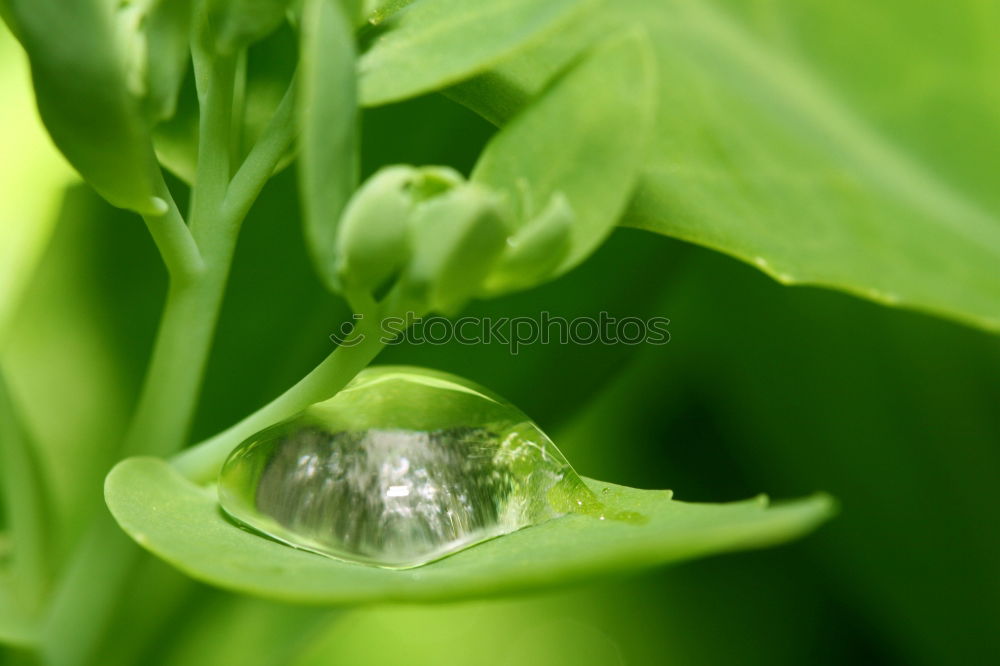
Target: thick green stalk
x=174, y=240
x=170, y=393
x=86, y=596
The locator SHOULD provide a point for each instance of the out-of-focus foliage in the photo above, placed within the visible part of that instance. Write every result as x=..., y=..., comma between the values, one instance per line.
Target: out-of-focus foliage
x=32, y=176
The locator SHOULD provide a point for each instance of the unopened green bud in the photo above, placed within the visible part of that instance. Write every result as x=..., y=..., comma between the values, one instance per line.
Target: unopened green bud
x=456, y=239
x=373, y=237
x=535, y=251
x=371, y=240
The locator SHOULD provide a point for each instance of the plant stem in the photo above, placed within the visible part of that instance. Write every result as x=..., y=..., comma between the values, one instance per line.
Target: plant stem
x=169, y=396
x=92, y=583
x=174, y=240
x=264, y=156
x=170, y=392
x=202, y=462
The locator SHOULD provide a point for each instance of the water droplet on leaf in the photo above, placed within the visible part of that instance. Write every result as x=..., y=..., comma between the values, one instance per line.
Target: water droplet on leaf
x=400, y=468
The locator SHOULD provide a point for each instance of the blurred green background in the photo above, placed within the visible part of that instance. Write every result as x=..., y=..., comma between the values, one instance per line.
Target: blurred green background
x=762, y=388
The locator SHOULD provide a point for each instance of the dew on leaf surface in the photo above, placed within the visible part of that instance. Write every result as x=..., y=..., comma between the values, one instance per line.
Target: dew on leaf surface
x=402, y=467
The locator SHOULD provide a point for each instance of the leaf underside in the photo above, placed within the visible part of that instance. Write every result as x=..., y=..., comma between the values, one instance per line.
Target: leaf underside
x=183, y=524
x=815, y=165
x=435, y=43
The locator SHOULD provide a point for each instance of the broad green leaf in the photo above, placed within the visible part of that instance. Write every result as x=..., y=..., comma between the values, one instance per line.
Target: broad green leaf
x=182, y=523
x=87, y=96
x=434, y=43
x=779, y=145
x=329, y=120
x=587, y=147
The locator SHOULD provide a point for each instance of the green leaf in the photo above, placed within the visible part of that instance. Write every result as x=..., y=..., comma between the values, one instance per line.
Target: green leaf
x=167, y=28
x=329, y=119
x=589, y=148
x=87, y=97
x=176, y=139
x=456, y=237
x=779, y=145
x=434, y=43
x=182, y=523
x=378, y=11
x=535, y=250
x=237, y=24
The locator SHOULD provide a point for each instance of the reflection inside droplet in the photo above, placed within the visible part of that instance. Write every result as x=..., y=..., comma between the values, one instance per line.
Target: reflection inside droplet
x=401, y=468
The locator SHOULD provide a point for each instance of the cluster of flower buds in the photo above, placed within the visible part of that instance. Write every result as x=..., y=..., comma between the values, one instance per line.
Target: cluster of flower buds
x=433, y=240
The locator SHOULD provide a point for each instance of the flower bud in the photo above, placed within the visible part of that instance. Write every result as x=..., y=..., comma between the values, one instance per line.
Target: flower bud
x=456, y=239
x=535, y=250
x=371, y=240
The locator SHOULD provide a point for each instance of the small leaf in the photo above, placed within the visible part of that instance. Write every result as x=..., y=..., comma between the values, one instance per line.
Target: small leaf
x=435, y=43
x=270, y=67
x=82, y=87
x=329, y=138
x=378, y=11
x=167, y=28
x=182, y=523
x=540, y=152
x=237, y=24
x=176, y=139
x=535, y=251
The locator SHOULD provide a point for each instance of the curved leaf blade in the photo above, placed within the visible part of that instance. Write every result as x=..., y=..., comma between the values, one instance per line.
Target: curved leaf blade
x=762, y=157
x=435, y=43
x=590, y=148
x=329, y=120
x=167, y=34
x=83, y=95
x=182, y=523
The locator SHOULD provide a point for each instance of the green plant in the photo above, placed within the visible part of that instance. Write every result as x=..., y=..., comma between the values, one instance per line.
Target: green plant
x=225, y=95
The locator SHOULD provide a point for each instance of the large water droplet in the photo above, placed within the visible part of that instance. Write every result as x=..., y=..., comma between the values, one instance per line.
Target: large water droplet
x=402, y=467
